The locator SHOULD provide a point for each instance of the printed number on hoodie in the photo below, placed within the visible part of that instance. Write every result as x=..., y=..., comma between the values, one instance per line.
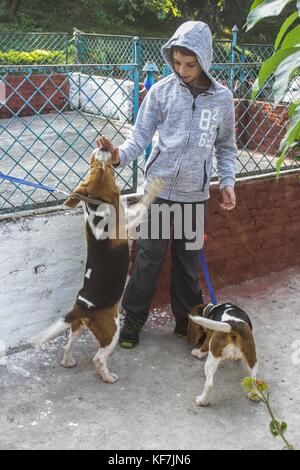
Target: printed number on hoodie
x=209, y=123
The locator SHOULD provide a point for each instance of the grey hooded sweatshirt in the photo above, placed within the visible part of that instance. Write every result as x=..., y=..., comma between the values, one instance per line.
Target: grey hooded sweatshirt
x=191, y=130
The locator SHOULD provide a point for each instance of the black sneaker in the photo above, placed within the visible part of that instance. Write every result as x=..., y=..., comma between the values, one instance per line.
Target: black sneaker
x=129, y=336
x=181, y=329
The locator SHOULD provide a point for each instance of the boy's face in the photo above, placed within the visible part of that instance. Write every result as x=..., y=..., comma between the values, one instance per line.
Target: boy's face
x=188, y=68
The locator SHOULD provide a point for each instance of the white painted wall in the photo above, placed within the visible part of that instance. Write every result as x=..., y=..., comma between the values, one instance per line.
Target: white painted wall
x=100, y=95
x=2, y=92
x=42, y=261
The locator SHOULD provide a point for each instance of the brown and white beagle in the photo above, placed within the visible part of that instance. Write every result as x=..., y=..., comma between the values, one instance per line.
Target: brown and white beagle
x=224, y=331
x=98, y=301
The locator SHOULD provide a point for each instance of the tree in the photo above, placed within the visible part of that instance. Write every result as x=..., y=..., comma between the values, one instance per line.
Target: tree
x=12, y=6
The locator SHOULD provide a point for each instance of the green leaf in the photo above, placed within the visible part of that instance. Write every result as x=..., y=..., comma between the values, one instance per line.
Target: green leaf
x=274, y=427
x=293, y=134
x=269, y=66
x=255, y=4
x=254, y=395
x=292, y=137
x=247, y=384
x=261, y=385
x=264, y=10
x=282, y=75
x=292, y=38
x=283, y=427
x=293, y=106
x=281, y=160
x=287, y=23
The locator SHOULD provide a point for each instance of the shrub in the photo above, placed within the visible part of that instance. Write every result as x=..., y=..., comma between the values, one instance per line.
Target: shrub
x=32, y=58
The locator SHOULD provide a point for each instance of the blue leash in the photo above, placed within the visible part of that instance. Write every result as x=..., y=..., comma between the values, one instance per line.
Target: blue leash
x=31, y=184
x=207, y=278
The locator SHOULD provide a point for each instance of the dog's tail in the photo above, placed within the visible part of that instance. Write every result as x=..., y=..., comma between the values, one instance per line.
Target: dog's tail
x=58, y=328
x=211, y=324
x=54, y=330
x=136, y=212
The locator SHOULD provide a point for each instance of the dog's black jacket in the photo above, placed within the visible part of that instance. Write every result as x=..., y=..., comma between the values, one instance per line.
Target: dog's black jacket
x=109, y=267
x=217, y=312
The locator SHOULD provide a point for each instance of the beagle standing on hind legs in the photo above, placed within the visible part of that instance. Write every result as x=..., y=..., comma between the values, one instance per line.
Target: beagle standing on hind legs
x=224, y=332
x=98, y=301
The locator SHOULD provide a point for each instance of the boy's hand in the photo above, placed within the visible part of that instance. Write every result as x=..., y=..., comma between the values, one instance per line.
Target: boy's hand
x=229, y=199
x=104, y=143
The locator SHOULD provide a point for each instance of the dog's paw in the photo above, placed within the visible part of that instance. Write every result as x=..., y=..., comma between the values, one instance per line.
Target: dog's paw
x=198, y=354
x=156, y=185
x=110, y=378
x=68, y=363
x=201, y=401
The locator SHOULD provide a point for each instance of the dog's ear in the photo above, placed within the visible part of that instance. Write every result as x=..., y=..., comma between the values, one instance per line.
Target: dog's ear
x=195, y=331
x=81, y=189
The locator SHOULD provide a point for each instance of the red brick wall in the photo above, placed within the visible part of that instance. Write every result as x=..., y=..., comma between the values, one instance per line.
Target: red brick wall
x=28, y=92
x=260, y=236
x=266, y=126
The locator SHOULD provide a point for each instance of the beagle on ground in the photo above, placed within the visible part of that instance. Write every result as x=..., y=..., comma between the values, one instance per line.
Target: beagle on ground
x=98, y=301
x=224, y=332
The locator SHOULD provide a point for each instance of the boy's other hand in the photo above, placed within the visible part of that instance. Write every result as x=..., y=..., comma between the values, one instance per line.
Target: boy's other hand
x=229, y=199
x=105, y=143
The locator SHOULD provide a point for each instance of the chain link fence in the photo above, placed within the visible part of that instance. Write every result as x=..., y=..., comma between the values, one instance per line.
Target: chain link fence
x=49, y=121
x=100, y=48
x=33, y=48
x=51, y=115
x=62, y=48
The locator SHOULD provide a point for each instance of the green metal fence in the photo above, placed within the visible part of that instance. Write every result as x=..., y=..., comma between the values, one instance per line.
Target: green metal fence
x=49, y=120
x=101, y=48
x=255, y=52
x=55, y=44
x=50, y=116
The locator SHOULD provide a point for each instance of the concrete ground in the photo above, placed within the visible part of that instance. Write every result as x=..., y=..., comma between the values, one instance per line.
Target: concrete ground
x=44, y=406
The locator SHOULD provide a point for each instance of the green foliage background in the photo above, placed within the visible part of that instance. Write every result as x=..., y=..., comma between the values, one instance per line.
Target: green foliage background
x=130, y=17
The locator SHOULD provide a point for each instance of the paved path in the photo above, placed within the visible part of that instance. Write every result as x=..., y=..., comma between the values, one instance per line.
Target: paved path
x=44, y=406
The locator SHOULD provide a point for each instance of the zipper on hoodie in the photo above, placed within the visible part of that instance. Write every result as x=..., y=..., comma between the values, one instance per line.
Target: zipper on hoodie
x=151, y=163
x=193, y=109
x=205, y=177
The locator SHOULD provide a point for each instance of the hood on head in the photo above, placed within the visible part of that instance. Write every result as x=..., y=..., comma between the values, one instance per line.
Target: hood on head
x=195, y=36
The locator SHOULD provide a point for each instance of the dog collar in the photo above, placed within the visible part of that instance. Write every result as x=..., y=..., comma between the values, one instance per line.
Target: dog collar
x=208, y=309
x=91, y=200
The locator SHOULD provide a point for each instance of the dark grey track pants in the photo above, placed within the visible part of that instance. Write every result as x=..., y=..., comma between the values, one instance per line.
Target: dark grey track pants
x=185, y=288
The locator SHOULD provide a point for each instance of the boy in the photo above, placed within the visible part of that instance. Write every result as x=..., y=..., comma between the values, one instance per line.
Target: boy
x=194, y=116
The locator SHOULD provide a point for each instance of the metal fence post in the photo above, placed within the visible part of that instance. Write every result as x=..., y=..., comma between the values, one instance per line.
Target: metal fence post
x=136, y=90
x=136, y=50
x=242, y=69
x=234, y=30
x=76, y=46
x=67, y=47
x=232, y=55
x=150, y=68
